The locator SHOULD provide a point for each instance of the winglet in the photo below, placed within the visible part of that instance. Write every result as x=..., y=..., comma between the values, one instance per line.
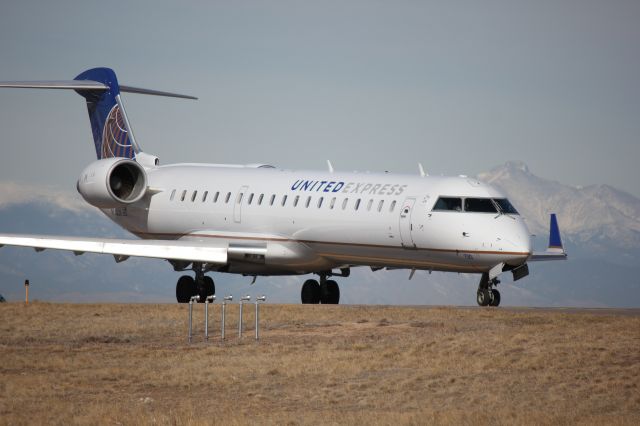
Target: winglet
x=555, y=242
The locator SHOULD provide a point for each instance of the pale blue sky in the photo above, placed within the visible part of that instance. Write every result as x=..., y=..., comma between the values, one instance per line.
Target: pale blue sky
x=459, y=85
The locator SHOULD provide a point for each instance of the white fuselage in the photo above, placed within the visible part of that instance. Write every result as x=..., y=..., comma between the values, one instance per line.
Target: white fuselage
x=295, y=222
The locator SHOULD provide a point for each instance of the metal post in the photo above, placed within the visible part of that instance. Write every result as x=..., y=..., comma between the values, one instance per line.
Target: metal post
x=224, y=306
x=245, y=298
x=206, y=316
x=258, y=299
x=26, y=292
x=196, y=298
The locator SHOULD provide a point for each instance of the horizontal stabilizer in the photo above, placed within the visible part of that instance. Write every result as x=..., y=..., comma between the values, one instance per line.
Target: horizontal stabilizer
x=56, y=84
x=87, y=85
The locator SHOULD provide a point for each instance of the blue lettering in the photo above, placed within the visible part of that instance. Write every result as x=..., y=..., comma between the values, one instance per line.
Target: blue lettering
x=338, y=187
x=296, y=185
x=306, y=184
x=328, y=187
x=321, y=183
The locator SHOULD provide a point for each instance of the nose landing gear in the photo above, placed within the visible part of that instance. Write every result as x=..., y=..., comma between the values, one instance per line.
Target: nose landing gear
x=486, y=295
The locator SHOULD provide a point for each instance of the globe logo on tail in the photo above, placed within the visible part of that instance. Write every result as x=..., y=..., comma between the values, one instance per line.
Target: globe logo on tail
x=115, y=138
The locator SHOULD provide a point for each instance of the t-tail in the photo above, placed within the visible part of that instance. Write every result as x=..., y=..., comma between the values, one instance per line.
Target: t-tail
x=112, y=133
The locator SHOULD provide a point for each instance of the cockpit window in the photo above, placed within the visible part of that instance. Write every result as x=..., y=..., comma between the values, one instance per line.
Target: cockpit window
x=448, y=204
x=505, y=206
x=479, y=205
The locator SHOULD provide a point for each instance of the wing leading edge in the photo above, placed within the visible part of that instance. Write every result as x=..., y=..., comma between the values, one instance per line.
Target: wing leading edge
x=122, y=249
x=555, y=251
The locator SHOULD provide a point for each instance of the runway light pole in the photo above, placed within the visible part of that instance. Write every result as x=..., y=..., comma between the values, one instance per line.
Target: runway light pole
x=208, y=300
x=193, y=298
x=224, y=307
x=26, y=292
x=243, y=299
x=258, y=299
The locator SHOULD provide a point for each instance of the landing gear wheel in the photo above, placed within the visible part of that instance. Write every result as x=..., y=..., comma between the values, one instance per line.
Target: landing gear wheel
x=310, y=293
x=185, y=289
x=483, y=297
x=329, y=293
x=495, y=299
x=206, y=288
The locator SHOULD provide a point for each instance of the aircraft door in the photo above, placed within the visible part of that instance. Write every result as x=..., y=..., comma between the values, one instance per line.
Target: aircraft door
x=237, y=205
x=405, y=222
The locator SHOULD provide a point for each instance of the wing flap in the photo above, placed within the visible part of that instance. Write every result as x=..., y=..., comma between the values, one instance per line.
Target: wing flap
x=120, y=248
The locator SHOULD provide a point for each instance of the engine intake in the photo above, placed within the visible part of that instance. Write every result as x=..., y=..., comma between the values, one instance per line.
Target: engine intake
x=112, y=182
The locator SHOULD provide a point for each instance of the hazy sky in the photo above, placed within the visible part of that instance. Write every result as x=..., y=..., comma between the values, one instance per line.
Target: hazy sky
x=460, y=86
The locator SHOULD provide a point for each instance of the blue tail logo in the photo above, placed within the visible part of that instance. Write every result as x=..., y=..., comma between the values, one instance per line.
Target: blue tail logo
x=111, y=134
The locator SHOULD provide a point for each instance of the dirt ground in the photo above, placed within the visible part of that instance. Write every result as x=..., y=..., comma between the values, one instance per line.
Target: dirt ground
x=132, y=364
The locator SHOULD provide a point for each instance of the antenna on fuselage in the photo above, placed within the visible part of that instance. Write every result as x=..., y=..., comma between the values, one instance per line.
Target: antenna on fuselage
x=330, y=166
x=421, y=169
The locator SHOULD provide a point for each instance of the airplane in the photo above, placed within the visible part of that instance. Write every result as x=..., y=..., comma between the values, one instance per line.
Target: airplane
x=260, y=220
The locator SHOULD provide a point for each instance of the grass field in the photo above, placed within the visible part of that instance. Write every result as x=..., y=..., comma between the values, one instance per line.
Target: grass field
x=131, y=364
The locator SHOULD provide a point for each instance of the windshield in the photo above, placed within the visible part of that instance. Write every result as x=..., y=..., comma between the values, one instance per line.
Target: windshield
x=479, y=205
x=505, y=206
x=448, y=204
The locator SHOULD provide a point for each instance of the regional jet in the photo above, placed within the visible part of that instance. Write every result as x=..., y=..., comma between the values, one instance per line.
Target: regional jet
x=260, y=220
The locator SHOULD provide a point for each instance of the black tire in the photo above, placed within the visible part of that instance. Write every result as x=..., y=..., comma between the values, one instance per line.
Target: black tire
x=495, y=300
x=310, y=293
x=185, y=289
x=482, y=297
x=206, y=288
x=330, y=293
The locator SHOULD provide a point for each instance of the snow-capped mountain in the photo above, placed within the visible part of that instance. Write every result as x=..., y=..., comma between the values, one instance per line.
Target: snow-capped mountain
x=596, y=215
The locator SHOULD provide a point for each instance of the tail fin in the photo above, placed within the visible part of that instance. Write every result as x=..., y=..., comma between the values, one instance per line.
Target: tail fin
x=112, y=134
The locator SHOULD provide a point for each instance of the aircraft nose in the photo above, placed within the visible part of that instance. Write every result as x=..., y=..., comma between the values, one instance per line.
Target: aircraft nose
x=523, y=239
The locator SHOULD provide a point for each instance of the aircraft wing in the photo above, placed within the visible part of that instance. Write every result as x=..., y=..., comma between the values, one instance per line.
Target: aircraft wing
x=122, y=249
x=555, y=251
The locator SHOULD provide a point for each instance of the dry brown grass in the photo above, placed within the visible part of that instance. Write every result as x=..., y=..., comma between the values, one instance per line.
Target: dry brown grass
x=131, y=364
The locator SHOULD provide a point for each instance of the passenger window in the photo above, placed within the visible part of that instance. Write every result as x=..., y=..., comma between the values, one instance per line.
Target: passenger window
x=333, y=203
x=344, y=203
x=184, y=194
x=226, y=200
x=204, y=196
x=306, y=205
x=357, y=204
x=448, y=204
x=369, y=204
x=239, y=198
x=215, y=197
x=173, y=194
x=284, y=200
x=273, y=199
x=320, y=201
x=392, y=207
x=250, y=199
x=260, y=199
x=295, y=201
x=380, y=204
x=193, y=197
x=479, y=205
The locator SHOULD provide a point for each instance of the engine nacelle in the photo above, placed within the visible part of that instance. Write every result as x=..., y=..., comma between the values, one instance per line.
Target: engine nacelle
x=112, y=182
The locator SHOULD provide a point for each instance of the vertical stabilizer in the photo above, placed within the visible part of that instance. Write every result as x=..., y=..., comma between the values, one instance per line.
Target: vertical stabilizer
x=112, y=135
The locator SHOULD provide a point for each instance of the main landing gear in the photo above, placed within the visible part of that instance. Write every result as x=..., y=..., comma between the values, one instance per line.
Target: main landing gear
x=488, y=296
x=326, y=291
x=188, y=287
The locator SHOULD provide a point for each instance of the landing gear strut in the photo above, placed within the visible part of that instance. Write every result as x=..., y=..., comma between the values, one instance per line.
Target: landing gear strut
x=326, y=291
x=488, y=296
x=188, y=287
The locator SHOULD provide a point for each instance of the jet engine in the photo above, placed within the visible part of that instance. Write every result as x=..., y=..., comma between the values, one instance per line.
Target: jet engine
x=112, y=182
